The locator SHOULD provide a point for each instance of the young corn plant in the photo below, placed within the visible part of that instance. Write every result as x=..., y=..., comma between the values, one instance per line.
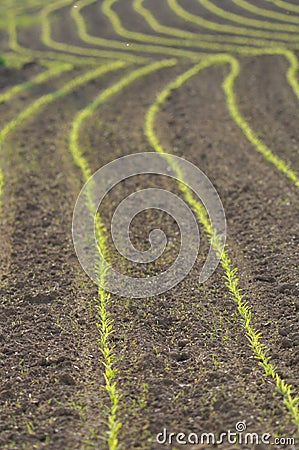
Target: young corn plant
x=105, y=328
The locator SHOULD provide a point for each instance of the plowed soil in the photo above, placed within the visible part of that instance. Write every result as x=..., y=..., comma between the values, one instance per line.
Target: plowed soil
x=183, y=360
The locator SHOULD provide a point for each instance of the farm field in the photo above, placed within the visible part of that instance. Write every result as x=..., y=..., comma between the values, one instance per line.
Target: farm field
x=83, y=83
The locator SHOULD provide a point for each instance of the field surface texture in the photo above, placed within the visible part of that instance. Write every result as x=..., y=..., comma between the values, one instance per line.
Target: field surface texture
x=83, y=83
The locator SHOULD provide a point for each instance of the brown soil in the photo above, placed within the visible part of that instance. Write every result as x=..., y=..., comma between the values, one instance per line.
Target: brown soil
x=183, y=361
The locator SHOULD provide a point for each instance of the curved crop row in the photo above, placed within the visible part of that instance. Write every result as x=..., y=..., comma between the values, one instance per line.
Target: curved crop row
x=249, y=37
x=230, y=273
x=105, y=324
